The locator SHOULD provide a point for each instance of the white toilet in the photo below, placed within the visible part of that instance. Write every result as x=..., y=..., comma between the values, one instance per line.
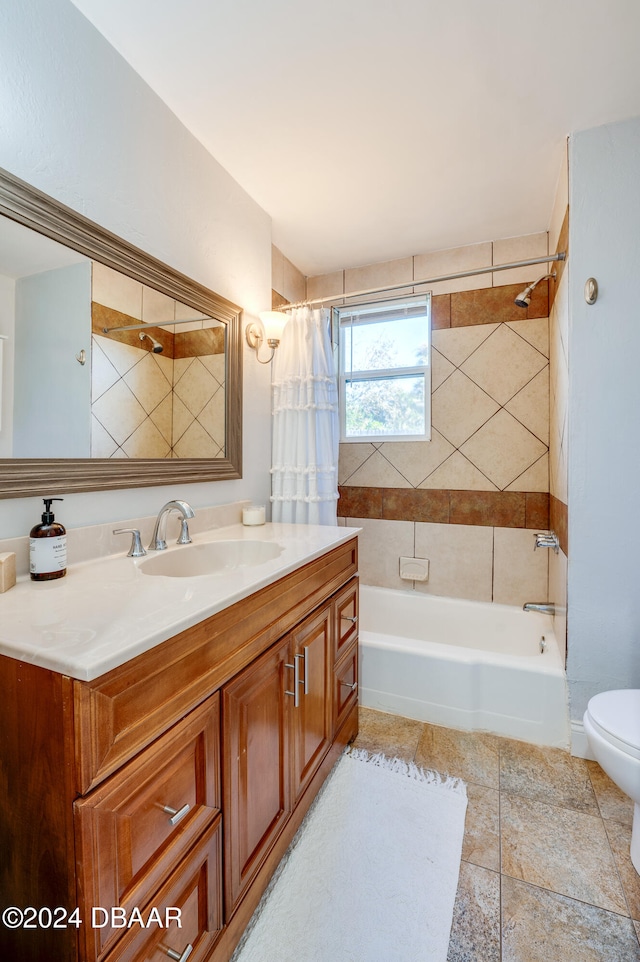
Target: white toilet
x=612, y=724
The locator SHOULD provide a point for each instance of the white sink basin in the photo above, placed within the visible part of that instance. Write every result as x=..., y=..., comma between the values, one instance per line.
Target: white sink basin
x=215, y=557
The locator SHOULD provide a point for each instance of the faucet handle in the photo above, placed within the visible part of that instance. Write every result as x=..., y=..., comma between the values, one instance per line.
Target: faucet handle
x=546, y=539
x=185, y=537
x=136, y=550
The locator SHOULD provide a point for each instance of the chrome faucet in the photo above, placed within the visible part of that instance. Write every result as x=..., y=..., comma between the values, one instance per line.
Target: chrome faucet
x=546, y=539
x=158, y=542
x=544, y=607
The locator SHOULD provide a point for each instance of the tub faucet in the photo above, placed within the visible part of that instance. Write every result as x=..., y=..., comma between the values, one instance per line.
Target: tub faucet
x=544, y=607
x=158, y=542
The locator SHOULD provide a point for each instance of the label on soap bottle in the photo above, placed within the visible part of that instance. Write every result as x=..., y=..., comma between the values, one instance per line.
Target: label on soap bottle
x=47, y=555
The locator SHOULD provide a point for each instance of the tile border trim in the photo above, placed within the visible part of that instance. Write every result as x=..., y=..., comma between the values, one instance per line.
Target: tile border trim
x=502, y=509
x=559, y=521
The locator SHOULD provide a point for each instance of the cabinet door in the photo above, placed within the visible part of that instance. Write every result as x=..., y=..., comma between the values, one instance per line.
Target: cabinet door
x=311, y=646
x=256, y=766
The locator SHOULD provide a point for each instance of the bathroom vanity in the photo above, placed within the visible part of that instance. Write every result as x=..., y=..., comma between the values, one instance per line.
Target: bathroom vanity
x=174, y=781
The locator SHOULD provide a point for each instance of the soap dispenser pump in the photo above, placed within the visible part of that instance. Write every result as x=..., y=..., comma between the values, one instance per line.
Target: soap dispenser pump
x=48, y=547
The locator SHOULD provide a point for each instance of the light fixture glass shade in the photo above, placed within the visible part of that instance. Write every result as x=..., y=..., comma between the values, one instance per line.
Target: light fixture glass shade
x=273, y=323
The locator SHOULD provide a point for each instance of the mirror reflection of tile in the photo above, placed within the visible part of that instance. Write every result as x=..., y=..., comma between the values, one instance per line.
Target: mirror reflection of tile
x=161, y=396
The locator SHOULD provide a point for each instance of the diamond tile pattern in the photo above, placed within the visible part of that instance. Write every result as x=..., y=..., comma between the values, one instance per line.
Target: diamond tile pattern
x=460, y=407
x=490, y=417
x=196, y=387
x=138, y=413
x=502, y=449
x=531, y=405
x=147, y=382
x=458, y=343
x=441, y=368
x=503, y=364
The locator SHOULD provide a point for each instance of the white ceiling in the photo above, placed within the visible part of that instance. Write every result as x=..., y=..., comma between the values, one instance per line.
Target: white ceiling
x=374, y=129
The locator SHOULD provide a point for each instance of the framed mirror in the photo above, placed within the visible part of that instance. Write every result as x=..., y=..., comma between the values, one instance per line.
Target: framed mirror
x=104, y=322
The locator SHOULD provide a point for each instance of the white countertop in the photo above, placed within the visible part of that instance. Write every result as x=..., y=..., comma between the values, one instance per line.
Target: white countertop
x=103, y=613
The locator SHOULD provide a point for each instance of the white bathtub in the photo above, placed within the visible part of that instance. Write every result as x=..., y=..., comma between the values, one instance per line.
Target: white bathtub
x=462, y=664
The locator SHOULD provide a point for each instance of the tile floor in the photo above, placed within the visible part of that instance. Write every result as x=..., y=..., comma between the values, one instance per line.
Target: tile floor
x=545, y=873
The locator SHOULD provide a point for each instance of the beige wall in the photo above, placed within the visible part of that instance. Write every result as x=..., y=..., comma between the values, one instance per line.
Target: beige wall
x=286, y=279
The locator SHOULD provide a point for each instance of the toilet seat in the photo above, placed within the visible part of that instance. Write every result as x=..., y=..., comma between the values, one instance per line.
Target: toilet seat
x=615, y=715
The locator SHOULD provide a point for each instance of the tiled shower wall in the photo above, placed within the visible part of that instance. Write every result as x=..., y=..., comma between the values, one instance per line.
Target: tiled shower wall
x=168, y=405
x=471, y=498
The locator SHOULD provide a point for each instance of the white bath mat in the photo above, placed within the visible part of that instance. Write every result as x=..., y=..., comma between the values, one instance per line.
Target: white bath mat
x=372, y=873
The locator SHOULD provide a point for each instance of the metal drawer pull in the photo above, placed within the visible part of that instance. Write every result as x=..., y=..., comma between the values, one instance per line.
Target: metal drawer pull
x=180, y=958
x=296, y=683
x=305, y=680
x=345, y=684
x=353, y=620
x=176, y=816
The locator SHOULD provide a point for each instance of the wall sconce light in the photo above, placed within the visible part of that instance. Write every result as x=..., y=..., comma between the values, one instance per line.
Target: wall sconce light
x=270, y=329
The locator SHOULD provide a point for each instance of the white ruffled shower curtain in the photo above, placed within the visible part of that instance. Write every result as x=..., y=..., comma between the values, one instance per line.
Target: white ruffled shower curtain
x=305, y=422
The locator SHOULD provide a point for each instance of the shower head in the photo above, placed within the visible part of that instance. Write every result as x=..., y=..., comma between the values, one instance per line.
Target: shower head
x=524, y=298
x=156, y=346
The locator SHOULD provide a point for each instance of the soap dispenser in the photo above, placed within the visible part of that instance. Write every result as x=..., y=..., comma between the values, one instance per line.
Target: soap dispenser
x=48, y=547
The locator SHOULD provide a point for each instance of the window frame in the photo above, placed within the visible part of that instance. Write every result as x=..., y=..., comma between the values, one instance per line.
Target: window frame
x=380, y=374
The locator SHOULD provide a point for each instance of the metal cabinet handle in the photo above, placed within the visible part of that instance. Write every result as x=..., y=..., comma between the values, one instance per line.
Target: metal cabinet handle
x=176, y=813
x=353, y=620
x=176, y=955
x=296, y=683
x=305, y=678
x=345, y=684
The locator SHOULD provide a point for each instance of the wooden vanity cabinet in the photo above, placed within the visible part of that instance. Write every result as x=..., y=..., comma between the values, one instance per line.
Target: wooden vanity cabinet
x=179, y=778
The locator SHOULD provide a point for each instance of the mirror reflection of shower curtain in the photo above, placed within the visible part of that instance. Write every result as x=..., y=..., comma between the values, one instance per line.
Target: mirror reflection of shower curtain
x=304, y=482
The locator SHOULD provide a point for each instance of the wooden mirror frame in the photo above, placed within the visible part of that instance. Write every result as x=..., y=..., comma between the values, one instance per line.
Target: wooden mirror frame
x=21, y=477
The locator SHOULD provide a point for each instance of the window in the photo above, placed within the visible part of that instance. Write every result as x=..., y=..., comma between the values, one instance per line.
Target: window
x=385, y=384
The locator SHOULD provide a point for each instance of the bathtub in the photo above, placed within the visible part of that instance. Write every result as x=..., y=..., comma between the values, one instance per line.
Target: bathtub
x=463, y=664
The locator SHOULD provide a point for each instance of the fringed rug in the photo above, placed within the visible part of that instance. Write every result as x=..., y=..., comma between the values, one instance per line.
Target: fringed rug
x=371, y=875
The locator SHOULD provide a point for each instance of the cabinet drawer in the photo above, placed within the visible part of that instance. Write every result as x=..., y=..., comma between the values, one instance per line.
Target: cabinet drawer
x=346, y=626
x=194, y=890
x=346, y=685
x=133, y=829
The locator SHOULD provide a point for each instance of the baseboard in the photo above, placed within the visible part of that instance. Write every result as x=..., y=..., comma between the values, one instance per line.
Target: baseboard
x=579, y=741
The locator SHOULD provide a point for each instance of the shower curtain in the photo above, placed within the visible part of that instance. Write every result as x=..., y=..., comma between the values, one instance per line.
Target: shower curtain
x=305, y=422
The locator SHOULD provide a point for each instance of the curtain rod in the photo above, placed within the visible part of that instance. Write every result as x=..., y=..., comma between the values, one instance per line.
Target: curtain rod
x=150, y=324
x=559, y=256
